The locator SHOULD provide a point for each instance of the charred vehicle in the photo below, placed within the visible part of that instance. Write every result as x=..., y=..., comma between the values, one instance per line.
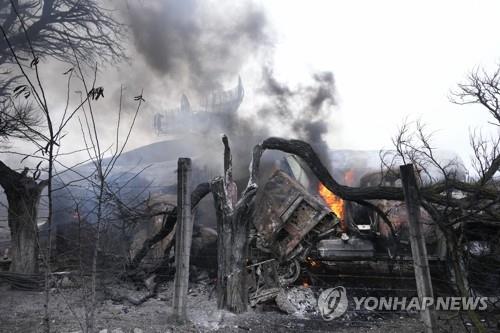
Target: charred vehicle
x=299, y=225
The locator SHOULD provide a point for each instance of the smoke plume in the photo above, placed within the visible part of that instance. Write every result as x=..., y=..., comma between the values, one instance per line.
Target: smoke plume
x=203, y=45
x=200, y=43
x=197, y=47
x=303, y=110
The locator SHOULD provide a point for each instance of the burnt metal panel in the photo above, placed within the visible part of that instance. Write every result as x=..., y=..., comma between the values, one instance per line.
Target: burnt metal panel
x=352, y=248
x=286, y=212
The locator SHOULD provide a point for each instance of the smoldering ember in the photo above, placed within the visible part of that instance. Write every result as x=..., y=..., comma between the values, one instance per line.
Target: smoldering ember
x=236, y=166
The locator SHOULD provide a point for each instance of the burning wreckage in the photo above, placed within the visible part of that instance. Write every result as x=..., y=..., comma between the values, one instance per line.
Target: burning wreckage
x=298, y=228
x=300, y=225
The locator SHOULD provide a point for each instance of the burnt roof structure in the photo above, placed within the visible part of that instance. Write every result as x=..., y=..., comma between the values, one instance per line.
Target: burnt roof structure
x=216, y=108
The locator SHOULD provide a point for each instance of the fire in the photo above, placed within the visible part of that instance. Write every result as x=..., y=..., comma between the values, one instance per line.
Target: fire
x=349, y=177
x=335, y=203
x=313, y=264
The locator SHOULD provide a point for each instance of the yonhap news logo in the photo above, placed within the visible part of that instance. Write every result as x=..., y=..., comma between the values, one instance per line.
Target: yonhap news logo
x=333, y=303
x=417, y=304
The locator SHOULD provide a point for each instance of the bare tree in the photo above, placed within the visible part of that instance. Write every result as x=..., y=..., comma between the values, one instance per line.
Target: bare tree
x=52, y=28
x=61, y=29
x=16, y=119
x=100, y=185
x=32, y=30
x=481, y=87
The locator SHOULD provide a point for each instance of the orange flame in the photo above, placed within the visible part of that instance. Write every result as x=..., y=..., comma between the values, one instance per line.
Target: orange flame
x=335, y=203
x=312, y=263
x=349, y=177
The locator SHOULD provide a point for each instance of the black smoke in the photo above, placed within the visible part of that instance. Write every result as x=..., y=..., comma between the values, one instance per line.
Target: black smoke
x=199, y=42
x=304, y=109
x=197, y=47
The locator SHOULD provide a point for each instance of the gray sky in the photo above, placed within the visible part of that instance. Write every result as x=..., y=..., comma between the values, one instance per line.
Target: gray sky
x=391, y=60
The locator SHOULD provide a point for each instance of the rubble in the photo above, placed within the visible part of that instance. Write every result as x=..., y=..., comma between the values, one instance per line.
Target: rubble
x=148, y=228
x=479, y=248
x=263, y=295
x=297, y=301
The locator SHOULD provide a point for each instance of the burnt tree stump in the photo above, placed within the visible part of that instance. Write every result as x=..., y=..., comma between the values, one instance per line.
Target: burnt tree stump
x=23, y=195
x=233, y=221
x=232, y=247
x=224, y=238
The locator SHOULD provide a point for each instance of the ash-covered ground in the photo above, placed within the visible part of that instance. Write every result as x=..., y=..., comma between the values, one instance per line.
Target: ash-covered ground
x=22, y=311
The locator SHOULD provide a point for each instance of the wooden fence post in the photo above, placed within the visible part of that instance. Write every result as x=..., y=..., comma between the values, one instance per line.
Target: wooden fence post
x=418, y=248
x=183, y=237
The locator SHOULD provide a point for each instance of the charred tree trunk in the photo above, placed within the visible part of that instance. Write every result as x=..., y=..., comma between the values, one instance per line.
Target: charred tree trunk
x=23, y=231
x=233, y=221
x=232, y=247
x=237, y=296
x=224, y=239
x=23, y=195
x=225, y=195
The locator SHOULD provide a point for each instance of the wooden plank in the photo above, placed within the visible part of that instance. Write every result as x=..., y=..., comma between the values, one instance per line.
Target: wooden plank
x=418, y=248
x=184, y=234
